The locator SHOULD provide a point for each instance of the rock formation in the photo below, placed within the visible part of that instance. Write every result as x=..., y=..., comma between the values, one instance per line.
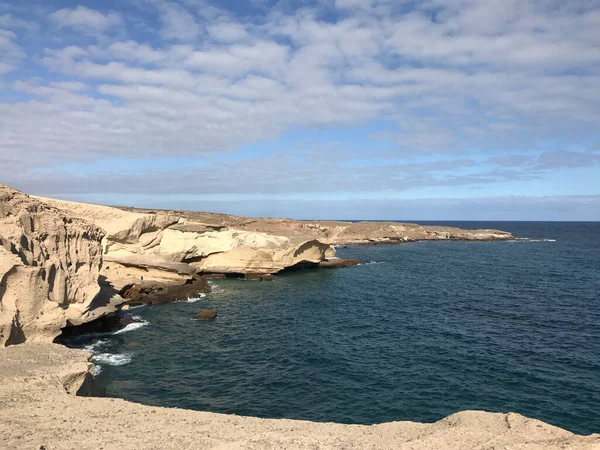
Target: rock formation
x=49, y=268
x=67, y=263
x=137, y=294
x=341, y=233
x=160, y=243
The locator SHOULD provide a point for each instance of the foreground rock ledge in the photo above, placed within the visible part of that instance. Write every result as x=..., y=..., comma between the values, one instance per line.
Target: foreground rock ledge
x=37, y=410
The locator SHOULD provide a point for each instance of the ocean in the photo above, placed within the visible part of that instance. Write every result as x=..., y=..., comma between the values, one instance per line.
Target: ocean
x=421, y=331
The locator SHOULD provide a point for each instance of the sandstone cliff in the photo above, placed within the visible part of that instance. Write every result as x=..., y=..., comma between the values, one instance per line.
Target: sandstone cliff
x=65, y=263
x=336, y=232
x=49, y=268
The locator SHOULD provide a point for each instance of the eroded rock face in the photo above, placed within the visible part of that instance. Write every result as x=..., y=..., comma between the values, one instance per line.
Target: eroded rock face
x=181, y=244
x=247, y=260
x=49, y=267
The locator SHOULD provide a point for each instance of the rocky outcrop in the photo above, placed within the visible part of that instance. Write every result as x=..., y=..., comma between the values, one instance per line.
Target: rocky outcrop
x=167, y=292
x=335, y=263
x=155, y=244
x=339, y=233
x=49, y=267
x=51, y=254
x=247, y=259
x=152, y=244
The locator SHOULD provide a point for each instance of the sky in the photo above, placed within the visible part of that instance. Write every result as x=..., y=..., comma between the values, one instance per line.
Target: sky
x=315, y=109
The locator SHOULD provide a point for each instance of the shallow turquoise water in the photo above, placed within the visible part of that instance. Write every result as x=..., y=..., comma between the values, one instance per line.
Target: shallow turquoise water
x=426, y=330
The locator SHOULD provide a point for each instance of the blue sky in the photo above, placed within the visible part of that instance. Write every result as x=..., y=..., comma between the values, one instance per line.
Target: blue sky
x=349, y=109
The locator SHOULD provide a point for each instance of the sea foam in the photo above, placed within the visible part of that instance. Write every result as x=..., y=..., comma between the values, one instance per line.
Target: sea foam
x=133, y=326
x=93, y=347
x=195, y=299
x=110, y=359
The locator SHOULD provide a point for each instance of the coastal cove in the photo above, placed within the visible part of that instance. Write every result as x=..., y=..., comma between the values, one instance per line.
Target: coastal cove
x=420, y=331
x=449, y=318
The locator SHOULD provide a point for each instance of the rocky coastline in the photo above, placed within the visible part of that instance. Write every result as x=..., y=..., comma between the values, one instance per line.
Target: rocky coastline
x=65, y=265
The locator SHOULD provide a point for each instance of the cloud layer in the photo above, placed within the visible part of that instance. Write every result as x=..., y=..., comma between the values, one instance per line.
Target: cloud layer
x=448, y=93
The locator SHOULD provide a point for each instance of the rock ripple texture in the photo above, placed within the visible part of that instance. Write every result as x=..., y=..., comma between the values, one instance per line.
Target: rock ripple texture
x=49, y=267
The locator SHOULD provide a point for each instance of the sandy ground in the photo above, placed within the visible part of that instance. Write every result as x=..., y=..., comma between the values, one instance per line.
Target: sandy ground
x=36, y=412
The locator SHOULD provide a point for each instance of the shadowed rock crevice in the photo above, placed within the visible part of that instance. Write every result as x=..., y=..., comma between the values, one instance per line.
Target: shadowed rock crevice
x=302, y=265
x=15, y=335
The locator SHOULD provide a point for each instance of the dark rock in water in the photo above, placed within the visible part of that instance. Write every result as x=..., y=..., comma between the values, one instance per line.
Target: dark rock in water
x=206, y=314
x=333, y=263
x=267, y=277
x=144, y=294
x=124, y=321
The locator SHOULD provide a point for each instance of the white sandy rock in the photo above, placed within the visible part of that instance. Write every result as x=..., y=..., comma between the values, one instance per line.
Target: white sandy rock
x=49, y=267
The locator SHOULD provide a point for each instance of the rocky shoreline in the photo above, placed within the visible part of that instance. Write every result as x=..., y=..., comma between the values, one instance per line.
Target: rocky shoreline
x=67, y=265
x=38, y=410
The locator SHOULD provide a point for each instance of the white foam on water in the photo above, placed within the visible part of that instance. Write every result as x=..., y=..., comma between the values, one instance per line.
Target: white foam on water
x=215, y=289
x=133, y=326
x=95, y=345
x=136, y=307
x=195, y=299
x=97, y=370
x=110, y=359
x=531, y=240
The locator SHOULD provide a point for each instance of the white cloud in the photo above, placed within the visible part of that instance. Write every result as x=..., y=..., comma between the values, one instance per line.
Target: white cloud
x=228, y=31
x=73, y=86
x=178, y=23
x=9, y=21
x=10, y=52
x=85, y=19
x=481, y=79
x=263, y=56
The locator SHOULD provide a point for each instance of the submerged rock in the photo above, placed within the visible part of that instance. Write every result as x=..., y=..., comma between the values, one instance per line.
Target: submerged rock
x=333, y=263
x=165, y=292
x=124, y=321
x=206, y=314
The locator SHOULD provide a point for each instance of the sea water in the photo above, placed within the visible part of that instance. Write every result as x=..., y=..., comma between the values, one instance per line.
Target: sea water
x=419, y=332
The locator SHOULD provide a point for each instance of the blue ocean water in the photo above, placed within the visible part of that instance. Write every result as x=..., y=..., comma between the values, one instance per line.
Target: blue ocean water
x=424, y=330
